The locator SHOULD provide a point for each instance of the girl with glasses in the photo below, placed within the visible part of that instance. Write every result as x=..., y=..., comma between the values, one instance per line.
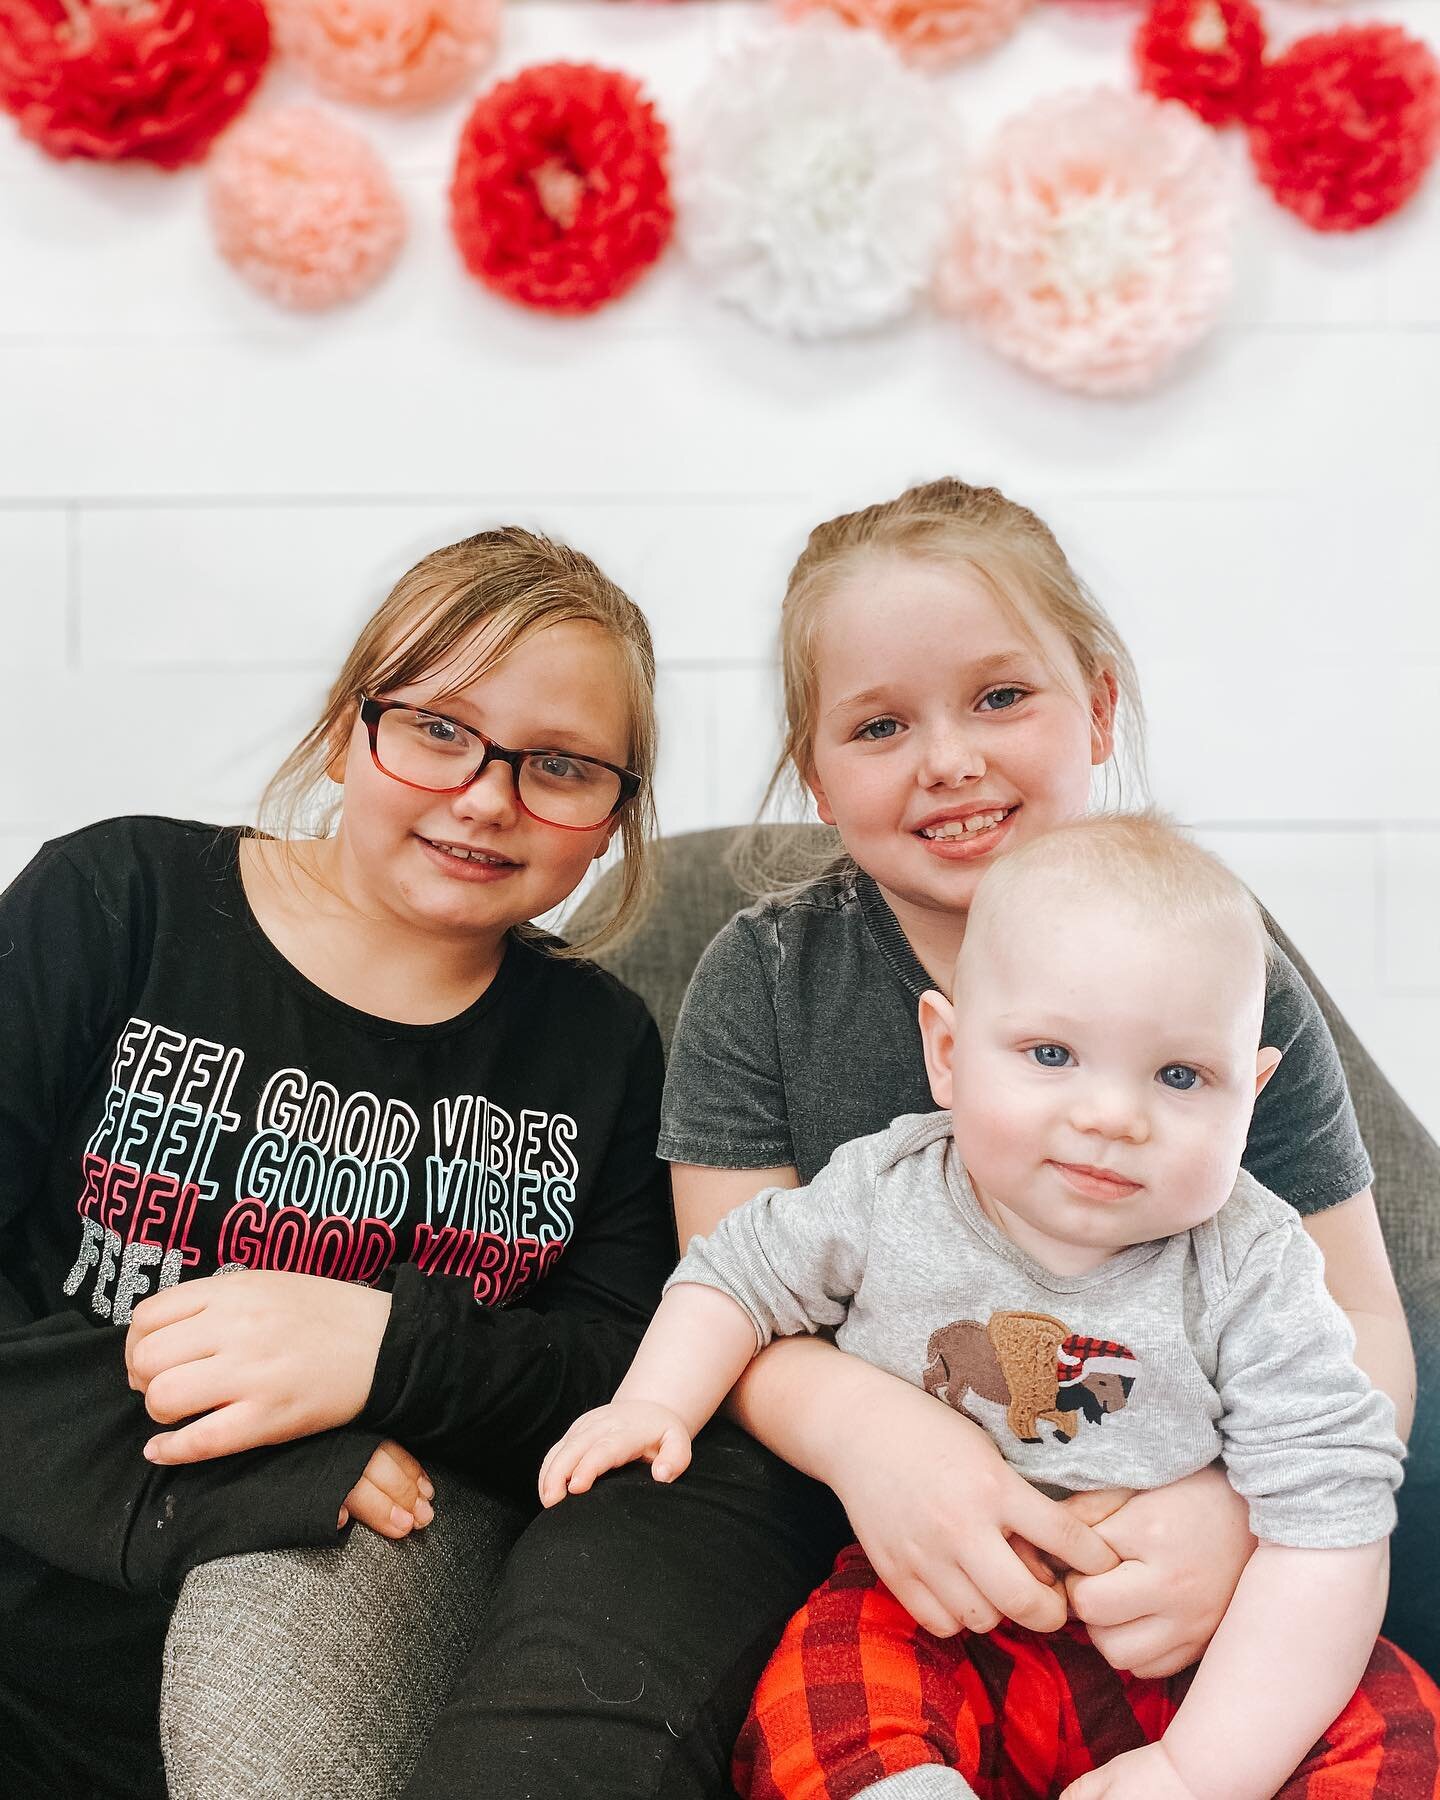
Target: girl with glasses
x=319, y=1162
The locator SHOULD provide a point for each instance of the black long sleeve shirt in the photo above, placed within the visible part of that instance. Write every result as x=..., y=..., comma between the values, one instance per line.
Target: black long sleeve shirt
x=175, y=1097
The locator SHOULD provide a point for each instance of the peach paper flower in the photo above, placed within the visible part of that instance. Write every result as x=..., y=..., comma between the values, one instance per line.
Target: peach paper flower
x=929, y=33
x=388, y=52
x=302, y=208
x=1094, y=240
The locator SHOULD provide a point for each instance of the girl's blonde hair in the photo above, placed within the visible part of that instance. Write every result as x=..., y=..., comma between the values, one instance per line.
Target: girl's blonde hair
x=1002, y=544
x=504, y=586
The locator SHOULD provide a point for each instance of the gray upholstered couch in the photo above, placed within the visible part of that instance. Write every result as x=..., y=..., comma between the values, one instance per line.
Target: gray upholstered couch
x=261, y=1645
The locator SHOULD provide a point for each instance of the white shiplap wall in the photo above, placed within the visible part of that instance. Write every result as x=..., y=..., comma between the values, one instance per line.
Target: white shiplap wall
x=200, y=498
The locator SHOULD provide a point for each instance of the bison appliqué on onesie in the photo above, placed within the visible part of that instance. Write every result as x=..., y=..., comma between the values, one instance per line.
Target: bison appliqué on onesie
x=1032, y=1365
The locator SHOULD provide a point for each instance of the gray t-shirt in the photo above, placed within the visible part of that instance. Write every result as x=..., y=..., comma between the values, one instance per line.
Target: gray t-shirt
x=800, y=1031
x=1220, y=1341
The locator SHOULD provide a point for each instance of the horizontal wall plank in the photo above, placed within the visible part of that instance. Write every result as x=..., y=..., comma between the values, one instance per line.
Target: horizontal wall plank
x=704, y=418
x=34, y=604
x=1410, y=917
x=231, y=585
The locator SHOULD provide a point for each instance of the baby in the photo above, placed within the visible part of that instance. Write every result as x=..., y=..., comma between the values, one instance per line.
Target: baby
x=1072, y=1256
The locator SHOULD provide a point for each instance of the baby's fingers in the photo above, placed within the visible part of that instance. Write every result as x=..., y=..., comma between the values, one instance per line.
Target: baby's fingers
x=560, y=1461
x=672, y=1458
x=609, y=1451
x=372, y=1506
x=395, y=1472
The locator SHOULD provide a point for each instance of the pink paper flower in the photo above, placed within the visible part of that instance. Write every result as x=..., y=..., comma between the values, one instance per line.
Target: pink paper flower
x=1094, y=240
x=388, y=52
x=931, y=33
x=303, y=208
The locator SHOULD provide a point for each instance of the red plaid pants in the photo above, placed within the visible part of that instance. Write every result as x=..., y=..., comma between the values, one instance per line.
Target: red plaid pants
x=858, y=1691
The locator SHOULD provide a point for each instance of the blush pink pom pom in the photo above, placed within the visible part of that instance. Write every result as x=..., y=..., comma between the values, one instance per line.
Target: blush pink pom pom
x=388, y=52
x=927, y=33
x=303, y=208
x=1095, y=240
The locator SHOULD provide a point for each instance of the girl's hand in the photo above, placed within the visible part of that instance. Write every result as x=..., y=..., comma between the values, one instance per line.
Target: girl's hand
x=1184, y=1548
x=393, y=1495
x=1145, y=1774
x=607, y=1438
x=256, y=1357
x=935, y=1506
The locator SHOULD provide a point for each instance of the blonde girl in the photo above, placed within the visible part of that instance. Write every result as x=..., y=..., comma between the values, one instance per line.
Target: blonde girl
x=951, y=689
x=316, y=1157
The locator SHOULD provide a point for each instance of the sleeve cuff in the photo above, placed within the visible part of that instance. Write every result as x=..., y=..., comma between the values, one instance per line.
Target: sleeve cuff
x=396, y=1355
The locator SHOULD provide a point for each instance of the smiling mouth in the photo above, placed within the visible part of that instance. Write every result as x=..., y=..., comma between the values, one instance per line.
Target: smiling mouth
x=461, y=854
x=972, y=825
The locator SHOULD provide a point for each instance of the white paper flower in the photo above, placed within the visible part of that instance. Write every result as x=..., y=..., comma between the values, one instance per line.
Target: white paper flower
x=811, y=181
x=1094, y=239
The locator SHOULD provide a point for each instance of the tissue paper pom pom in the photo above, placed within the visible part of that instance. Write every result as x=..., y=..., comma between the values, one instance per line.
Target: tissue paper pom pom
x=1094, y=245
x=561, y=198
x=1206, y=53
x=1346, y=124
x=811, y=180
x=929, y=33
x=303, y=208
x=388, y=52
x=155, y=80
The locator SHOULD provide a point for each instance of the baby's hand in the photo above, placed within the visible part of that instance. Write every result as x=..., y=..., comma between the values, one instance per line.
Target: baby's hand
x=1146, y=1774
x=610, y=1436
x=392, y=1496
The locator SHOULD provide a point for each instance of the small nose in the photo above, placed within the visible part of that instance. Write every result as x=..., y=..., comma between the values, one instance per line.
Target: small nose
x=490, y=796
x=1110, y=1111
x=949, y=758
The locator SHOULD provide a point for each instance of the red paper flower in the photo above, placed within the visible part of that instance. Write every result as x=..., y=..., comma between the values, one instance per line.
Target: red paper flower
x=1206, y=53
x=1346, y=123
x=146, y=78
x=561, y=198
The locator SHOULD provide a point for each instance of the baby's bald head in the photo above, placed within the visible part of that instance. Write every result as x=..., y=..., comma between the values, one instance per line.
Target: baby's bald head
x=1136, y=866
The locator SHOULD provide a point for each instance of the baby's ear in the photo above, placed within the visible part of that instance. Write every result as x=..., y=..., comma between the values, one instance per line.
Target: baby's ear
x=1267, y=1061
x=937, y=1034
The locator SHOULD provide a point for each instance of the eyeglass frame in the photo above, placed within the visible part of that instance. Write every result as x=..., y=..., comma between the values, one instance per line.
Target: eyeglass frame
x=372, y=711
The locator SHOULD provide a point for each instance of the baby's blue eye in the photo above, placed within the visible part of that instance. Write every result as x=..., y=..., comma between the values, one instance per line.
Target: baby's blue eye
x=1178, y=1075
x=1000, y=699
x=878, y=730
x=1050, y=1056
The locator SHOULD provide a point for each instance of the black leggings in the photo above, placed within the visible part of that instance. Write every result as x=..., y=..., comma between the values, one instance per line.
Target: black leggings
x=620, y=1651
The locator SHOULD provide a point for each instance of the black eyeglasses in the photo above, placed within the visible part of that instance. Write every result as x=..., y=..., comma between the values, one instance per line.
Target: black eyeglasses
x=426, y=750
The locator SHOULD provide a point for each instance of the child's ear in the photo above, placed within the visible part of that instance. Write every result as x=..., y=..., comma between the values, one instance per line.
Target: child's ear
x=1267, y=1061
x=1104, y=698
x=937, y=1034
x=817, y=793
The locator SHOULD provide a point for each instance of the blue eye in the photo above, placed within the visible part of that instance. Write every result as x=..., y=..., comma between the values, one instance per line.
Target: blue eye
x=1051, y=1056
x=1003, y=697
x=1179, y=1076
x=877, y=731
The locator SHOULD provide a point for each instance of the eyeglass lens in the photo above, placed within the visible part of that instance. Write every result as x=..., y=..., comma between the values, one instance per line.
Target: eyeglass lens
x=436, y=753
